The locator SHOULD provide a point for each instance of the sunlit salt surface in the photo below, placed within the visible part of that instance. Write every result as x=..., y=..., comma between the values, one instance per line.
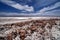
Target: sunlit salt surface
x=55, y=31
x=4, y=20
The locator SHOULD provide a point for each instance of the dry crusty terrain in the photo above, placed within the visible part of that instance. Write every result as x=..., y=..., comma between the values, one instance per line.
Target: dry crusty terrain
x=53, y=25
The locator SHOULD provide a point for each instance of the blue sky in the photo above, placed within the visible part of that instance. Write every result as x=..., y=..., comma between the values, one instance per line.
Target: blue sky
x=29, y=7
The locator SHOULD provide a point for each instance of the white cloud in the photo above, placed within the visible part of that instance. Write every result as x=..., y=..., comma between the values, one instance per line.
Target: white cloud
x=17, y=14
x=50, y=7
x=26, y=7
x=50, y=13
x=54, y=12
x=17, y=5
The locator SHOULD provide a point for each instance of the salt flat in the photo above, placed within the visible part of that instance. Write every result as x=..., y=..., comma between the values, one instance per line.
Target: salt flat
x=7, y=20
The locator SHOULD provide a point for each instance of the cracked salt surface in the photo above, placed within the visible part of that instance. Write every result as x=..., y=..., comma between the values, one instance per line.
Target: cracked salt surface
x=56, y=31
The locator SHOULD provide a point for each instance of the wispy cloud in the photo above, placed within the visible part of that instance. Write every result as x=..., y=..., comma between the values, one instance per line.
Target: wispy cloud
x=18, y=6
x=9, y=14
x=13, y=13
x=45, y=9
x=49, y=13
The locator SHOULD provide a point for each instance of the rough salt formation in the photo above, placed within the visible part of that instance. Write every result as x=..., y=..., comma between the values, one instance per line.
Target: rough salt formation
x=34, y=30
